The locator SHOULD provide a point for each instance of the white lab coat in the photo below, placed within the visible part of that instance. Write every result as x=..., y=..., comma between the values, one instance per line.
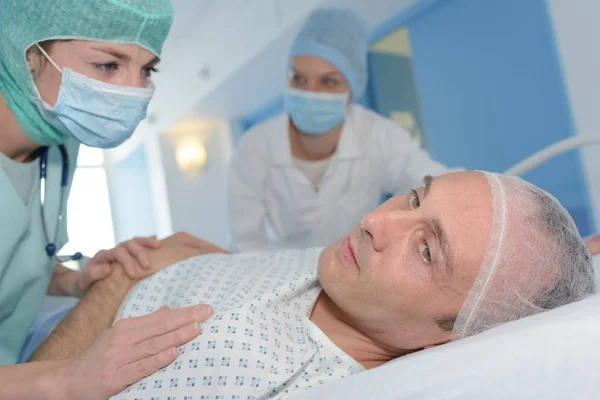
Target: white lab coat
x=273, y=205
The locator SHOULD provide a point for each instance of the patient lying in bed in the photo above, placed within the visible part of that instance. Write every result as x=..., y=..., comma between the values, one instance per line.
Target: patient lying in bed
x=463, y=254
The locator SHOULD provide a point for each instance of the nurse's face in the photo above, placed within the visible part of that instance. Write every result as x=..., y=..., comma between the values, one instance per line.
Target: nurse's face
x=117, y=64
x=402, y=275
x=316, y=75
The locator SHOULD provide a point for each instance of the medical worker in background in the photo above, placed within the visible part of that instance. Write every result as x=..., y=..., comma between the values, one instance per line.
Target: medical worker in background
x=71, y=72
x=305, y=177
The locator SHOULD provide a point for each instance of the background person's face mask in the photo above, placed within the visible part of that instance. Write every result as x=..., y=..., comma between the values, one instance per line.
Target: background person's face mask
x=315, y=113
x=95, y=113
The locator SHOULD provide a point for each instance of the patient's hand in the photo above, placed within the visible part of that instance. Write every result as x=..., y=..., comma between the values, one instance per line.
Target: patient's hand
x=96, y=311
x=133, y=255
x=178, y=247
x=593, y=244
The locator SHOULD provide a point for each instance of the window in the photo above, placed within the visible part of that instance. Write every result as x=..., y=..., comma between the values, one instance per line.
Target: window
x=89, y=218
x=394, y=92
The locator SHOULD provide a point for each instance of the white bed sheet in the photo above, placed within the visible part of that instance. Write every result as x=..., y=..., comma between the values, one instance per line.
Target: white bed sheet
x=554, y=355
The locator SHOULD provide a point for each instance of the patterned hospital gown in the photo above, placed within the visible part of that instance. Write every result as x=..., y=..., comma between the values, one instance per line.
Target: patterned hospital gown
x=259, y=344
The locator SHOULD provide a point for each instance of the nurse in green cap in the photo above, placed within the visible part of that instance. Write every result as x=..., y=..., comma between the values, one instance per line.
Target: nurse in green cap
x=71, y=72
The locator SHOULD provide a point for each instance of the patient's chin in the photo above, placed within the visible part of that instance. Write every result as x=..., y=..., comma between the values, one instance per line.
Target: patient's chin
x=328, y=270
x=332, y=267
x=324, y=261
x=326, y=256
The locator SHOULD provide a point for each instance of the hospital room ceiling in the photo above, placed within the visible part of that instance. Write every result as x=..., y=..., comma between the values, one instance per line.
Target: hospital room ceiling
x=226, y=58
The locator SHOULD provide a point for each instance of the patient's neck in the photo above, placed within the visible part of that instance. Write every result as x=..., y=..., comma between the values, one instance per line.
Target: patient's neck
x=338, y=327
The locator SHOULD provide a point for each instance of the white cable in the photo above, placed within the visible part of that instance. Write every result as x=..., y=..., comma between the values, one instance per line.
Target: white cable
x=556, y=149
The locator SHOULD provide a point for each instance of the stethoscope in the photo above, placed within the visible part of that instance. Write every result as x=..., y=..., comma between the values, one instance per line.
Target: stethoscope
x=51, y=246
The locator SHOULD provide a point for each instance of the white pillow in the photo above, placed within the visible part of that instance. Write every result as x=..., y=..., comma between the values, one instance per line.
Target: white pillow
x=553, y=355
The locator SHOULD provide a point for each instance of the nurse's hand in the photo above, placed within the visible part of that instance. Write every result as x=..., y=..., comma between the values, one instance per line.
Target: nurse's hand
x=593, y=244
x=133, y=255
x=129, y=351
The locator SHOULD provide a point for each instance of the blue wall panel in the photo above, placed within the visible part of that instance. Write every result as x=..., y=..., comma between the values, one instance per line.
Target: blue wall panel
x=492, y=92
x=264, y=112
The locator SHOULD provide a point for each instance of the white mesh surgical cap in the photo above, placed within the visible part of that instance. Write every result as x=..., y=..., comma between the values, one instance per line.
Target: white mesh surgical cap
x=535, y=260
x=340, y=37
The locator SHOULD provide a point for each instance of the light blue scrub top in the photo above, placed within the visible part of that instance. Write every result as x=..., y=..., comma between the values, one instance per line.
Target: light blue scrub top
x=25, y=269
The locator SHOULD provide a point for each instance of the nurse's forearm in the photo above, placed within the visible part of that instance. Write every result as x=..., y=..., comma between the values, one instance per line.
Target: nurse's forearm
x=31, y=381
x=93, y=315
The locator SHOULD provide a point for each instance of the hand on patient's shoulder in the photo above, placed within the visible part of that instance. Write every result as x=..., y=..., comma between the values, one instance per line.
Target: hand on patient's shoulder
x=129, y=351
x=593, y=244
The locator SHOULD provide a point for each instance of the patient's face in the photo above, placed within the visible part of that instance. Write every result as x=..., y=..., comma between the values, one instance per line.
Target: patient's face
x=411, y=263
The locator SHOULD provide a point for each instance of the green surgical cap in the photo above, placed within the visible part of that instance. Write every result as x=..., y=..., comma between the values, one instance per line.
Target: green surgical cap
x=23, y=23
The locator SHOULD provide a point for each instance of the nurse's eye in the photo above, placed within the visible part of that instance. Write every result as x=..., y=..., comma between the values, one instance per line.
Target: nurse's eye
x=147, y=72
x=425, y=252
x=413, y=199
x=107, y=67
x=330, y=83
x=297, y=79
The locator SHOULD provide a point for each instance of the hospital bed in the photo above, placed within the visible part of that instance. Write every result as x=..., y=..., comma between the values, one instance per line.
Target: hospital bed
x=553, y=355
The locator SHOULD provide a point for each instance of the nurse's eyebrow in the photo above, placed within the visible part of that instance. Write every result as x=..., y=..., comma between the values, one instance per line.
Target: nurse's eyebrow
x=439, y=232
x=325, y=75
x=123, y=56
x=153, y=62
x=113, y=52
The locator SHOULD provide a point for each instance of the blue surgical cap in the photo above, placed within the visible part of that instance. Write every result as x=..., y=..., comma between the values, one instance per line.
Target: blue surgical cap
x=340, y=37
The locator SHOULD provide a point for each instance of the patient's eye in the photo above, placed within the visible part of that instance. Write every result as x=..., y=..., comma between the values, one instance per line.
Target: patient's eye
x=413, y=199
x=425, y=252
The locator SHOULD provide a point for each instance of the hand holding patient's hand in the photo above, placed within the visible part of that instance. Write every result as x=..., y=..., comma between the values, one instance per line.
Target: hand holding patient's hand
x=134, y=255
x=168, y=251
x=129, y=351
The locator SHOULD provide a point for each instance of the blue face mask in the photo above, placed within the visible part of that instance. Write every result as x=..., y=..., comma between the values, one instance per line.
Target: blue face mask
x=95, y=113
x=315, y=113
